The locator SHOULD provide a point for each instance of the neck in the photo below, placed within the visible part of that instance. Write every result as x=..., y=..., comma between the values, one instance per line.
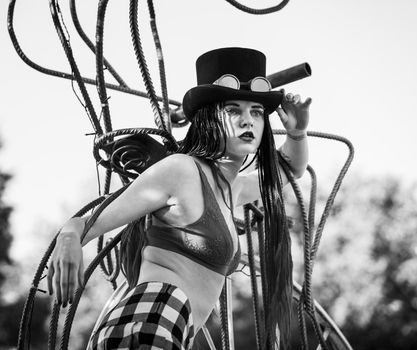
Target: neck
x=230, y=167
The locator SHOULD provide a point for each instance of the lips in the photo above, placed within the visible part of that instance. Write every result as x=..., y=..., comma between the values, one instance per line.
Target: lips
x=247, y=136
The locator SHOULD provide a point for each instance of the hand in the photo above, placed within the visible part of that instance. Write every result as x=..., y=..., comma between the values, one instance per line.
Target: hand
x=294, y=114
x=66, y=269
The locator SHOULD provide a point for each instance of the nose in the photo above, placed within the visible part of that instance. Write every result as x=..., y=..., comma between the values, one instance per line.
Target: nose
x=246, y=119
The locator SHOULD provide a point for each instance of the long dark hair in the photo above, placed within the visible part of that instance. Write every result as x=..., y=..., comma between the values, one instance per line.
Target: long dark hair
x=277, y=244
x=206, y=139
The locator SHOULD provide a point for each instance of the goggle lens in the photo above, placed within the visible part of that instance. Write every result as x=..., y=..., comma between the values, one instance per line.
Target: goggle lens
x=260, y=84
x=229, y=81
x=257, y=84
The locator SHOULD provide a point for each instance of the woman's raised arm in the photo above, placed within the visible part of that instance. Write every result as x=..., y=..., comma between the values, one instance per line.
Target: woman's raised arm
x=294, y=115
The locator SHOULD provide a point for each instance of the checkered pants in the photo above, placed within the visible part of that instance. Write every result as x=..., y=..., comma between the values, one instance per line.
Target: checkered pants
x=153, y=315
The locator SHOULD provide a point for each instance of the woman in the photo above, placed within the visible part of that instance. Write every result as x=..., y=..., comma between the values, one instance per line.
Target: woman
x=175, y=273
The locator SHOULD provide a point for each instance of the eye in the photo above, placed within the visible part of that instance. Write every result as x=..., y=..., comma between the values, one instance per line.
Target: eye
x=232, y=111
x=257, y=113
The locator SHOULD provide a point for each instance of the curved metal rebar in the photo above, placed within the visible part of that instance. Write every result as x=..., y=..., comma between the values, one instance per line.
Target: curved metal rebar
x=54, y=7
x=137, y=45
x=259, y=329
x=89, y=43
x=165, y=115
x=65, y=75
x=253, y=11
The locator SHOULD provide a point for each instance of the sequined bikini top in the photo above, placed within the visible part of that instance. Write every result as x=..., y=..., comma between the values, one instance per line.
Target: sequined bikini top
x=206, y=241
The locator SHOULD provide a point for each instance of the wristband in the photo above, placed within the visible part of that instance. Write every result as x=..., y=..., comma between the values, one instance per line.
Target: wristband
x=297, y=137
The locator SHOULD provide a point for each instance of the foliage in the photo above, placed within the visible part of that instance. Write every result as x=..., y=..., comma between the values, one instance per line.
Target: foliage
x=5, y=236
x=11, y=310
x=365, y=272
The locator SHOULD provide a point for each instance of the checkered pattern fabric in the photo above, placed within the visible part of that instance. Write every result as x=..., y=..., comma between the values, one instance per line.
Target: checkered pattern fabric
x=152, y=316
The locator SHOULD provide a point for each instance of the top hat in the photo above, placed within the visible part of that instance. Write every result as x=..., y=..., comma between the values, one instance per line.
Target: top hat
x=245, y=64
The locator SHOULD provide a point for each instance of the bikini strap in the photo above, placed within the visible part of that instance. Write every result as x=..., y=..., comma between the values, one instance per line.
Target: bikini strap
x=210, y=200
x=204, y=181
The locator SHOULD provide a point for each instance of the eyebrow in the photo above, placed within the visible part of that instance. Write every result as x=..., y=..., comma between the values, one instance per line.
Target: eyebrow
x=258, y=106
x=232, y=104
x=237, y=105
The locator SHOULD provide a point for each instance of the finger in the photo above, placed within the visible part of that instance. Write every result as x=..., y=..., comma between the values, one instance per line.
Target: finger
x=81, y=274
x=307, y=102
x=57, y=285
x=65, y=271
x=50, y=276
x=296, y=99
x=64, y=283
x=289, y=97
x=72, y=280
x=282, y=115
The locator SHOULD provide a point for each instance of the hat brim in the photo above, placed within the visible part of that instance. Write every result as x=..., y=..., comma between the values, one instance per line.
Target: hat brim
x=202, y=95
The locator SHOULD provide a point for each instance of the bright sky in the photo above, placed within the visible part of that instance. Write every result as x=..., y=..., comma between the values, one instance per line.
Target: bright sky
x=362, y=53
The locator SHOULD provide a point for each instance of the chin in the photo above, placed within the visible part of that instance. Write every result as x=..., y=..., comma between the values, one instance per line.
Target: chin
x=244, y=151
x=241, y=149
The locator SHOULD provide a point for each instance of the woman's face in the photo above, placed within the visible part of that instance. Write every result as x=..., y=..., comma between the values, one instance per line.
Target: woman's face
x=244, y=125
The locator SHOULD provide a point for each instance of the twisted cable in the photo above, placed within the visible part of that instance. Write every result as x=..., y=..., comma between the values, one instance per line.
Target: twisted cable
x=88, y=272
x=137, y=45
x=89, y=43
x=68, y=52
x=224, y=329
x=306, y=230
x=311, y=251
x=253, y=11
x=101, y=85
x=254, y=286
x=100, y=245
x=64, y=75
x=101, y=141
x=336, y=187
x=107, y=181
x=114, y=265
x=312, y=203
x=53, y=326
x=306, y=293
x=264, y=282
x=24, y=332
x=100, y=256
x=112, y=270
x=317, y=329
x=165, y=116
x=302, y=322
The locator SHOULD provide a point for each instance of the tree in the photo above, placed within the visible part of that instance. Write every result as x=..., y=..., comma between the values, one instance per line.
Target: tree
x=10, y=311
x=365, y=273
x=5, y=236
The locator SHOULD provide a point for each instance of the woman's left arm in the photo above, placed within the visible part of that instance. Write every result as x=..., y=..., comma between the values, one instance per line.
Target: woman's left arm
x=294, y=115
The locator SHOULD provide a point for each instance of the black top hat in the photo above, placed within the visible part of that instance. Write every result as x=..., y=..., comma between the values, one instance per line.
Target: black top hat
x=243, y=63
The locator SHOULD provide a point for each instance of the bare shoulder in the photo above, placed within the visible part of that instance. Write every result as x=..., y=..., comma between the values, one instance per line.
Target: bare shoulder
x=174, y=169
x=177, y=164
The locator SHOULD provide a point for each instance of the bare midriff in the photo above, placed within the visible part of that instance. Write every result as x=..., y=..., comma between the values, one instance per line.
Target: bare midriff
x=201, y=285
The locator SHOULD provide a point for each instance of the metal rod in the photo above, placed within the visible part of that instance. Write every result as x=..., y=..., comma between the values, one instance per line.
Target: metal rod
x=289, y=75
x=230, y=312
x=210, y=341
